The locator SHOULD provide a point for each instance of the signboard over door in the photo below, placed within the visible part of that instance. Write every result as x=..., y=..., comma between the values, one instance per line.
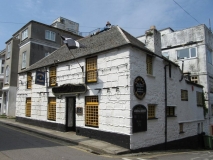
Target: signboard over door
x=139, y=118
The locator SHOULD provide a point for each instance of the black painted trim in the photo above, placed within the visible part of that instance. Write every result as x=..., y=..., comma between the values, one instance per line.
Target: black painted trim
x=44, y=124
x=114, y=138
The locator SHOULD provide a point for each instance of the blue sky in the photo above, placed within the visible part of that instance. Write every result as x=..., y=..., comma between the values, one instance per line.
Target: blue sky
x=135, y=16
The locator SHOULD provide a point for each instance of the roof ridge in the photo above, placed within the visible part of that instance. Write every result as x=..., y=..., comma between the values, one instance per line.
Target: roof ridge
x=122, y=33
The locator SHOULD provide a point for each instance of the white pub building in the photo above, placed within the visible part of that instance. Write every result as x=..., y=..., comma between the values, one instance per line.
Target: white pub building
x=117, y=89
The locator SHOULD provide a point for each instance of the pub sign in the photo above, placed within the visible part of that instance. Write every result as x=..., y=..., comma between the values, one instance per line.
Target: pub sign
x=139, y=87
x=139, y=118
x=40, y=78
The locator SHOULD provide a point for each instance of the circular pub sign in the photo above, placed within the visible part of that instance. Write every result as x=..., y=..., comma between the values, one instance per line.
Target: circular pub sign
x=139, y=87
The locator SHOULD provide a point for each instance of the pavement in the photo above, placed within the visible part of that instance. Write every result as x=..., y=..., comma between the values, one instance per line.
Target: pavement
x=86, y=143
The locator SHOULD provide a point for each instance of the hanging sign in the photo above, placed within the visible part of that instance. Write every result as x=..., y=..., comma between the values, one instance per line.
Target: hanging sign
x=40, y=78
x=139, y=118
x=139, y=87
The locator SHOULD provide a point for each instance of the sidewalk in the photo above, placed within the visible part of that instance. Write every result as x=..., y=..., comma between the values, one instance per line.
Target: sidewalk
x=92, y=145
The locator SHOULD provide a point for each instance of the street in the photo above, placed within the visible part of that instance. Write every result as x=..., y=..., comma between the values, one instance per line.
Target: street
x=16, y=144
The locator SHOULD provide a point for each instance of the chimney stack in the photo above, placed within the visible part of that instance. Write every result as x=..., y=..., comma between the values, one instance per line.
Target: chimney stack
x=153, y=40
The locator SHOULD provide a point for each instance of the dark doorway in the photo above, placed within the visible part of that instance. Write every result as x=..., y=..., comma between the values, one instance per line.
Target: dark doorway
x=70, y=114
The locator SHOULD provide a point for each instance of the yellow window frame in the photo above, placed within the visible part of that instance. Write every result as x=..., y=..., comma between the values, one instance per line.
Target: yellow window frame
x=91, y=111
x=52, y=76
x=51, y=109
x=151, y=111
x=149, y=64
x=91, y=69
x=28, y=107
x=29, y=80
x=184, y=95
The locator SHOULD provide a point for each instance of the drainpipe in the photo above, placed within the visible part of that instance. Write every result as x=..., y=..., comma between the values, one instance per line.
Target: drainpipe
x=165, y=107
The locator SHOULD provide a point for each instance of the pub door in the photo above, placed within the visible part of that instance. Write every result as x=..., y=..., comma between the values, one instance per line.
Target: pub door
x=70, y=114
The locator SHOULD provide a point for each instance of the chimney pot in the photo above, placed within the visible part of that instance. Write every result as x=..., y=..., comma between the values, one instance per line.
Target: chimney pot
x=152, y=27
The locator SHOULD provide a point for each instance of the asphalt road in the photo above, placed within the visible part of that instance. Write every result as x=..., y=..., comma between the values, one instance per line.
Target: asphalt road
x=17, y=144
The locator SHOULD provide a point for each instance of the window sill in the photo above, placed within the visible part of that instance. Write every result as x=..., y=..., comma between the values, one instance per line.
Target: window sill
x=152, y=118
x=184, y=99
x=199, y=106
x=24, y=39
x=50, y=40
x=23, y=68
x=150, y=75
x=172, y=116
x=53, y=85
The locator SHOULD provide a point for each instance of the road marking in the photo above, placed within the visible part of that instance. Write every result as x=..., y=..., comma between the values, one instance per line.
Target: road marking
x=141, y=159
x=126, y=159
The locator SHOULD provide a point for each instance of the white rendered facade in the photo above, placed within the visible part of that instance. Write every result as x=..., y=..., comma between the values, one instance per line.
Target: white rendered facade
x=116, y=71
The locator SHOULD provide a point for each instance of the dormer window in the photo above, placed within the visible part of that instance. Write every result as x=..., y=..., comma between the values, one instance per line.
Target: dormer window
x=24, y=34
x=8, y=50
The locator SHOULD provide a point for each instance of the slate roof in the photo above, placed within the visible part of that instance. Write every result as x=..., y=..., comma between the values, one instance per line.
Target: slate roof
x=112, y=38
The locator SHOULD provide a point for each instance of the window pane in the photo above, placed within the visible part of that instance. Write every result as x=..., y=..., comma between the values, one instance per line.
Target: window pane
x=149, y=64
x=184, y=53
x=193, y=52
x=209, y=57
x=91, y=111
x=165, y=54
x=24, y=60
x=2, y=69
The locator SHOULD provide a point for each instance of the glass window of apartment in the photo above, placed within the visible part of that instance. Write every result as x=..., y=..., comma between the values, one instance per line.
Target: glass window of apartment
x=24, y=34
x=149, y=64
x=194, y=79
x=91, y=115
x=23, y=65
x=170, y=111
x=8, y=50
x=1, y=85
x=186, y=53
x=184, y=95
x=17, y=37
x=209, y=56
x=2, y=65
x=51, y=109
x=7, y=74
x=151, y=111
x=166, y=54
x=50, y=35
x=52, y=76
x=28, y=107
x=199, y=98
x=29, y=80
x=91, y=70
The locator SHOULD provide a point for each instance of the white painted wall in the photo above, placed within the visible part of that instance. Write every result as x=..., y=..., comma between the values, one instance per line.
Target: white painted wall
x=119, y=68
x=187, y=112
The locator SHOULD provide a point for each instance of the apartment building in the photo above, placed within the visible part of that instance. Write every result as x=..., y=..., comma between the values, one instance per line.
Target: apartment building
x=2, y=61
x=116, y=90
x=28, y=45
